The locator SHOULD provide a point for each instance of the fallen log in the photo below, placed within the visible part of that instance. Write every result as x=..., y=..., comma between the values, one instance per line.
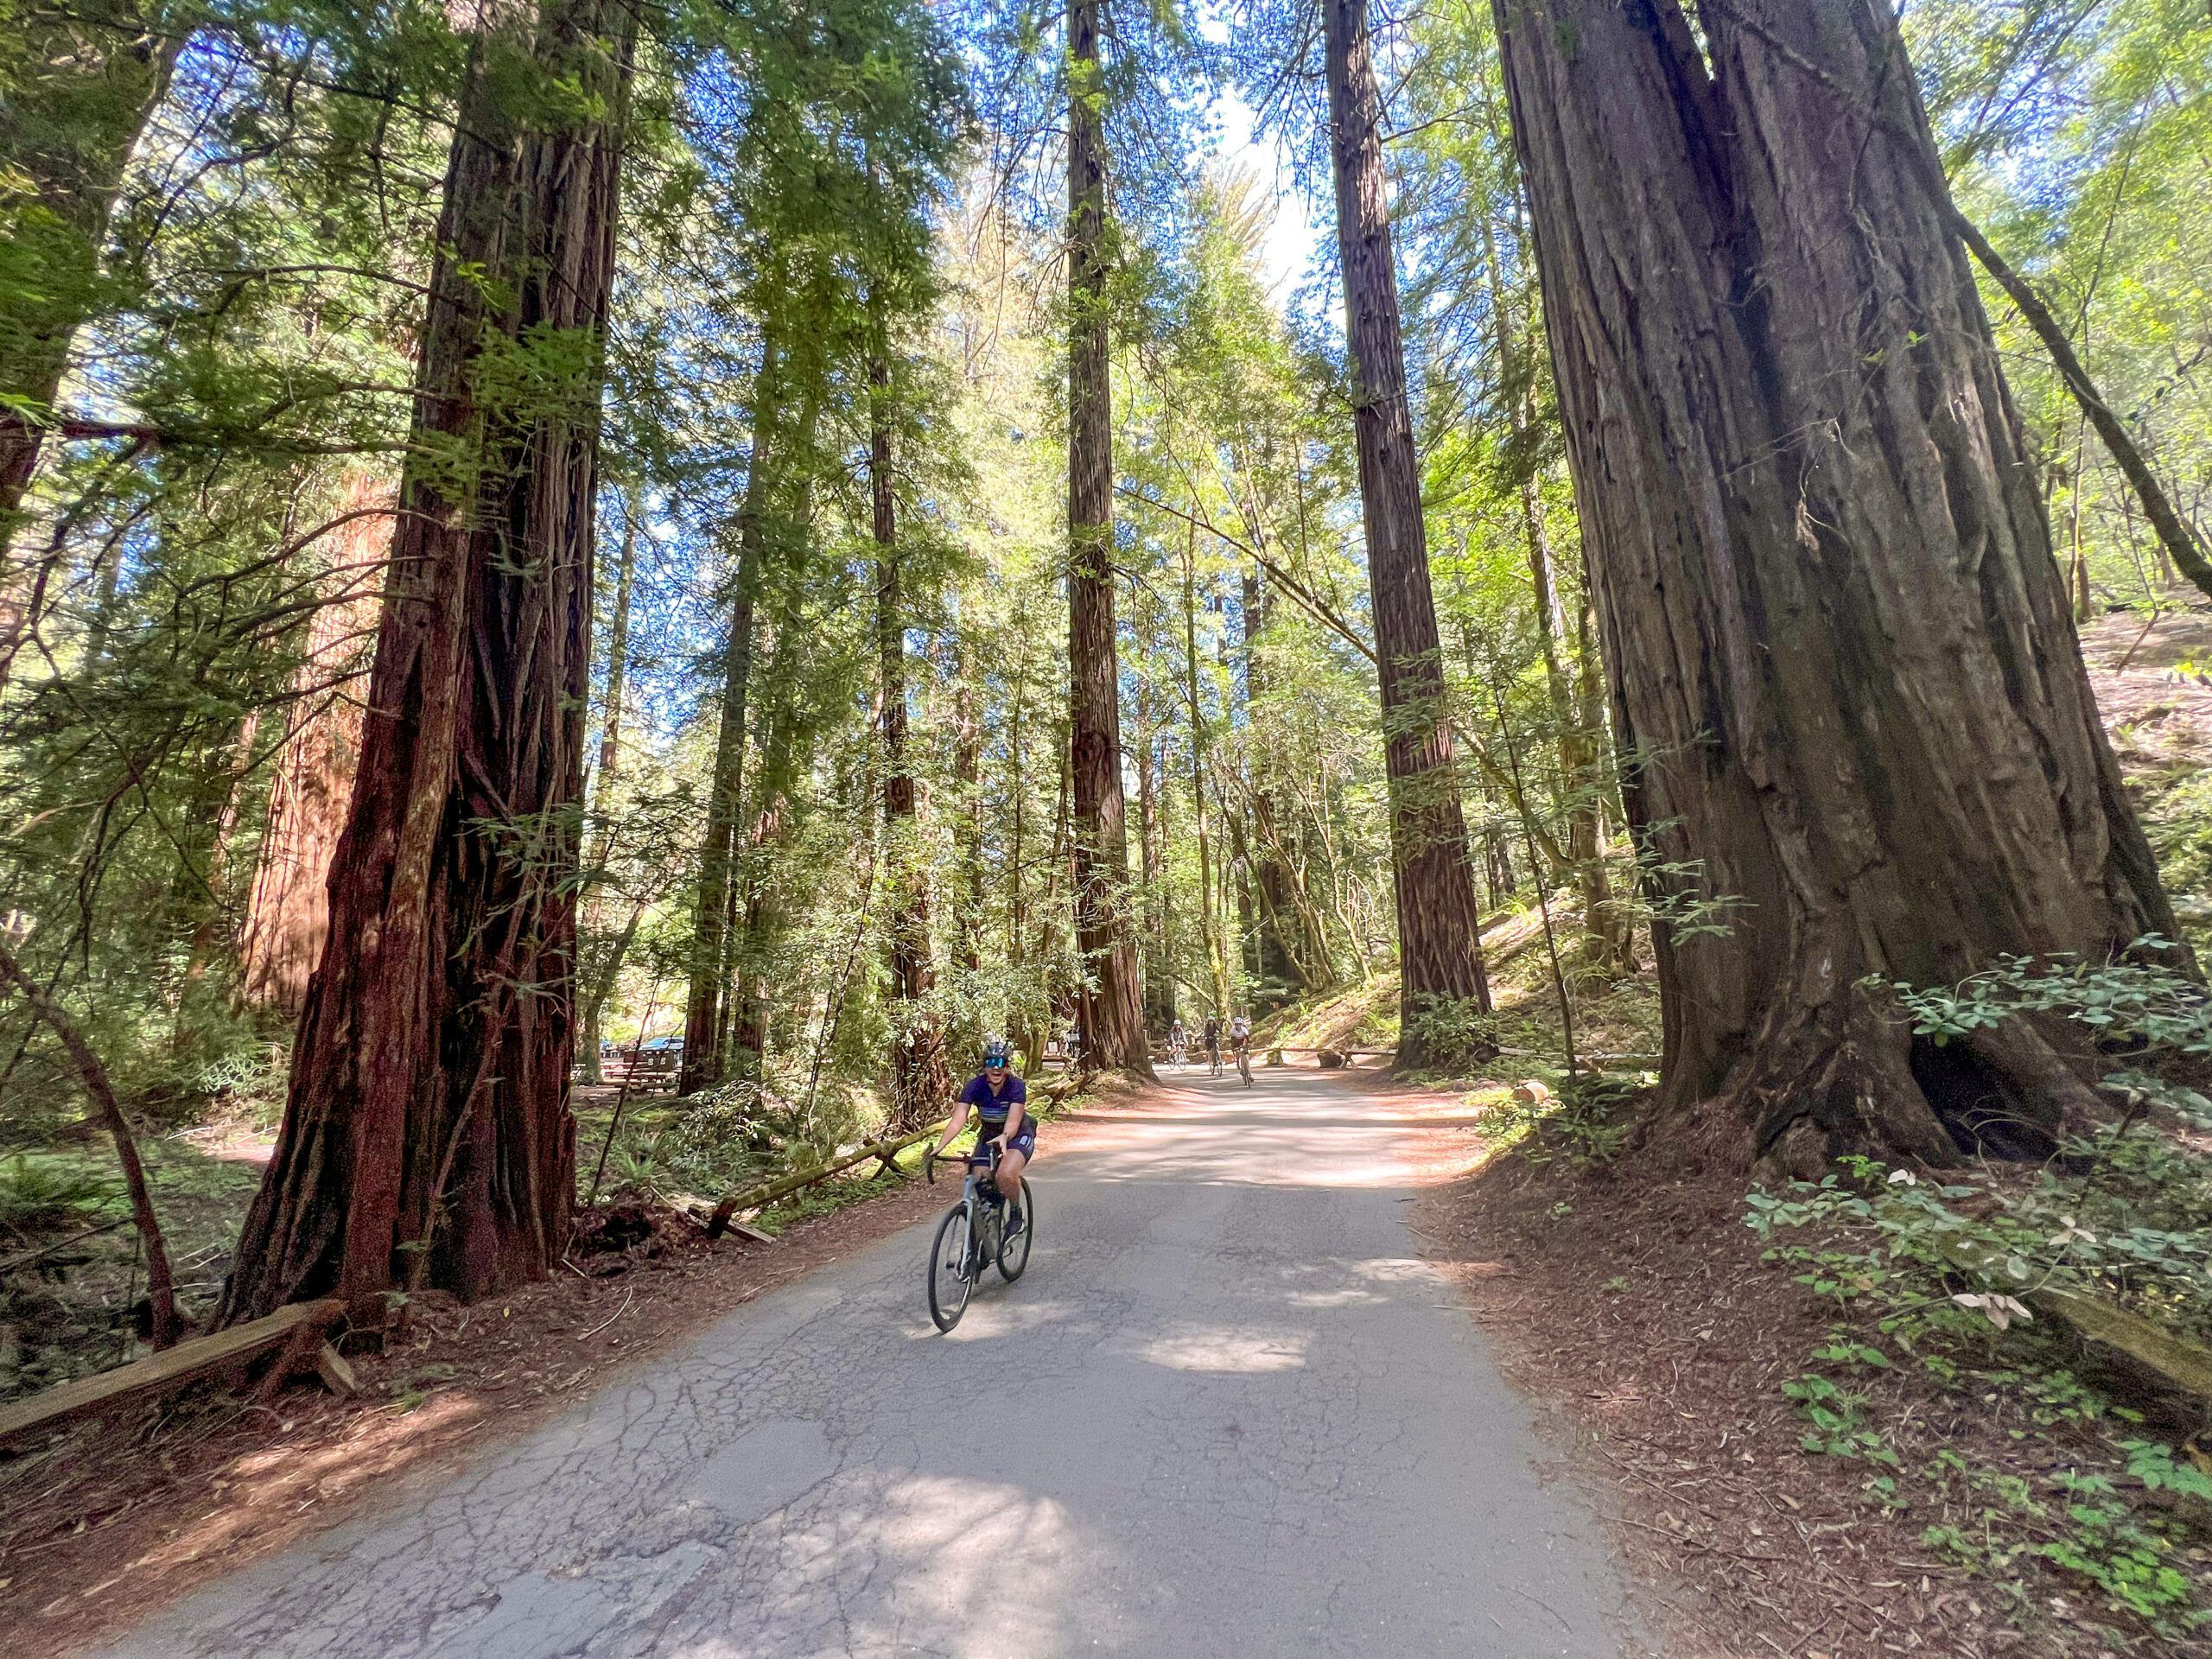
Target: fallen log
x=2149, y=1357
x=757, y=1197
x=722, y=1220
x=220, y=1353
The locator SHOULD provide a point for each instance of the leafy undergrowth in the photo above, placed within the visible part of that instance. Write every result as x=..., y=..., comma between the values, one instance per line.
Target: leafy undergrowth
x=1859, y=1375
x=1824, y=1452
x=2101, y=1484
x=71, y=1276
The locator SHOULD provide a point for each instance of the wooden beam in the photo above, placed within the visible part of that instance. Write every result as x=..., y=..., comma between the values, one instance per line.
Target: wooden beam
x=207, y=1355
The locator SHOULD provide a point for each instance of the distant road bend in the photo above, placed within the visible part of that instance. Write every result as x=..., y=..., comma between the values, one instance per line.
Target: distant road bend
x=1227, y=1412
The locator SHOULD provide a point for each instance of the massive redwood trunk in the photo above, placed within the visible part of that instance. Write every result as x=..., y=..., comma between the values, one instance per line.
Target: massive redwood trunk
x=1440, y=944
x=427, y=1136
x=1847, y=690
x=311, y=785
x=1108, y=1016
x=921, y=1081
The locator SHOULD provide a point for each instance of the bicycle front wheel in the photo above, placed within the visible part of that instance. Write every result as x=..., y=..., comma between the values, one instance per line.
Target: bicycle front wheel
x=1013, y=1253
x=949, y=1280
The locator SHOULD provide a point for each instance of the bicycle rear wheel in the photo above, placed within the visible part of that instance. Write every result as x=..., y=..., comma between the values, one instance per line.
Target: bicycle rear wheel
x=1013, y=1253
x=950, y=1282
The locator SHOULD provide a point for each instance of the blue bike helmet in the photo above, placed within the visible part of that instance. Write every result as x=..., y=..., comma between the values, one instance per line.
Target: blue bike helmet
x=998, y=1052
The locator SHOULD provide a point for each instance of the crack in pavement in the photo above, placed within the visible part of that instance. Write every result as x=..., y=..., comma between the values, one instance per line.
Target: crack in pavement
x=1226, y=1405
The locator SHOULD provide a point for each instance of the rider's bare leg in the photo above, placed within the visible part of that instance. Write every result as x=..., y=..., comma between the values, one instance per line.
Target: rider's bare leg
x=1011, y=1165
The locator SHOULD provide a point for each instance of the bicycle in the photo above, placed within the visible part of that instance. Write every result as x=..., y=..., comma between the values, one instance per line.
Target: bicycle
x=1244, y=1064
x=1213, y=1056
x=973, y=1235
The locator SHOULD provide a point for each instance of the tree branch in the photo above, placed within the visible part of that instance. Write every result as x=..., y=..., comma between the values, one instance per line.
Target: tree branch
x=160, y=1286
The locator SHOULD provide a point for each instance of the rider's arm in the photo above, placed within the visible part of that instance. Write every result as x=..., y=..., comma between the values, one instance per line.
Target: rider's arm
x=953, y=1125
x=1015, y=1111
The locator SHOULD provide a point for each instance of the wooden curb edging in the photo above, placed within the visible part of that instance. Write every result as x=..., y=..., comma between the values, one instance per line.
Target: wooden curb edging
x=300, y=1329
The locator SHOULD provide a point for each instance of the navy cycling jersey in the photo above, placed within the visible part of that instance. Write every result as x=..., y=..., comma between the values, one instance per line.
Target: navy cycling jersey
x=992, y=1107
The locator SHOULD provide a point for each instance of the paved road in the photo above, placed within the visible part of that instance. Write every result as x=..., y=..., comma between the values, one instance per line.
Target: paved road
x=1226, y=1413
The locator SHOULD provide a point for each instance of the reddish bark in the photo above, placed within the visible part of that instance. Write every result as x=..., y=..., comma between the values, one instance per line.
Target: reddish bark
x=288, y=917
x=1847, y=687
x=1439, y=947
x=428, y=1116
x=1108, y=1017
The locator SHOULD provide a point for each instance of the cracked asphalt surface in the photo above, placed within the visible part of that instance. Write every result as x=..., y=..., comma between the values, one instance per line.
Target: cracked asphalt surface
x=1226, y=1411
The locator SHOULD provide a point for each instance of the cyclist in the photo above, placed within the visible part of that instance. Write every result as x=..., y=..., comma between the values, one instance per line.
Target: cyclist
x=1179, y=1042
x=998, y=1097
x=1240, y=1038
x=1212, y=1038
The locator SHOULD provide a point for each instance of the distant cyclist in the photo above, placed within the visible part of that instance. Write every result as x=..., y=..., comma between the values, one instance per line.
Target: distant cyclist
x=1240, y=1039
x=999, y=1099
x=1178, y=1043
x=1212, y=1038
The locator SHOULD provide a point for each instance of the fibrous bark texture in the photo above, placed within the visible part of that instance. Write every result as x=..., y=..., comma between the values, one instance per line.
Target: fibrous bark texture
x=1108, y=1016
x=1438, y=933
x=311, y=784
x=427, y=1135
x=1850, y=703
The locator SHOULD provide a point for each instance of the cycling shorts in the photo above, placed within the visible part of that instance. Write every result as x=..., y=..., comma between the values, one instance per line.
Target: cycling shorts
x=1023, y=1140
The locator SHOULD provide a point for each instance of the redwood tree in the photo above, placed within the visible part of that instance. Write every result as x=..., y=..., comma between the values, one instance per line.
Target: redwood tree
x=707, y=1009
x=1848, y=693
x=426, y=1135
x=1440, y=942
x=1110, y=1018
x=921, y=1080
x=311, y=782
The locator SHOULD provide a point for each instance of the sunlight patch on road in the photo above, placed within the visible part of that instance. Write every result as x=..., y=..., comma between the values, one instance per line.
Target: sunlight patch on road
x=1229, y=1349
x=998, y=1311
x=945, y=1542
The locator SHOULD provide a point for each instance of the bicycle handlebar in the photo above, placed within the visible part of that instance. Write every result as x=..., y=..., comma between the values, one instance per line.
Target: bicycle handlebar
x=987, y=1153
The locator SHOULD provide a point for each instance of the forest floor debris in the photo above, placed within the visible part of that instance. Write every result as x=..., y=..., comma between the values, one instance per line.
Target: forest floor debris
x=1628, y=1299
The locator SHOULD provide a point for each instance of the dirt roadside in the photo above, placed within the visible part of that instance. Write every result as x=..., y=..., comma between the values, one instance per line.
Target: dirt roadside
x=1630, y=1305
